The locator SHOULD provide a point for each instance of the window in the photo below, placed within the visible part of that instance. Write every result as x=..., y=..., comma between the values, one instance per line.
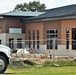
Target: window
x=34, y=35
x=19, y=43
x=33, y=39
x=11, y=43
x=29, y=39
x=15, y=30
x=52, y=34
x=37, y=39
x=67, y=38
x=0, y=41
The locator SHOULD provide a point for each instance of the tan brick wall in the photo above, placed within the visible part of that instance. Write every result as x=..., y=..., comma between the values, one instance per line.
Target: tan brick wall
x=6, y=23
x=14, y=23
x=2, y=25
x=52, y=25
x=61, y=25
x=70, y=23
x=34, y=26
x=42, y=27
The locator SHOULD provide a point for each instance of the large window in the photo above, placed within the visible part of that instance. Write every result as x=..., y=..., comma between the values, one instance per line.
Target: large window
x=15, y=30
x=52, y=34
x=67, y=38
x=33, y=38
x=29, y=39
x=37, y=39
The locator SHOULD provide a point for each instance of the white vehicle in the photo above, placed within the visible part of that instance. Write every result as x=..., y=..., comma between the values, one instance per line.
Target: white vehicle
x=5, y=56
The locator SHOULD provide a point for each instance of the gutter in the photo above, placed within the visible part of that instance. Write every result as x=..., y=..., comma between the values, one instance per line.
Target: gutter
x=47, y=19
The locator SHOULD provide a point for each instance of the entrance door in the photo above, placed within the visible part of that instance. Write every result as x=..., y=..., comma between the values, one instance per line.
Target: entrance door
x=52, y=35
x=73, y=38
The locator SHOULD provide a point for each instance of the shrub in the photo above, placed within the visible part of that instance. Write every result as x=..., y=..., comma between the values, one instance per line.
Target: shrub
x=47, y=63
x=66, y=63
x=59, y=63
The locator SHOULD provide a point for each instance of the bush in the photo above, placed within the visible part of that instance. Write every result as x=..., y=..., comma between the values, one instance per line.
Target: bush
x=47, y=63
x=29, y=62
x=59, y=63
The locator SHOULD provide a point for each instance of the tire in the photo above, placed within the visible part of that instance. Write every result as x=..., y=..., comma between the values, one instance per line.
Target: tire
x=3, y=64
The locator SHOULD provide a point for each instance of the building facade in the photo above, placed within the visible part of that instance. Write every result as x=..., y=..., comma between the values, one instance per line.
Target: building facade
x=12, y=28
x=51, y=31
x=57, y=31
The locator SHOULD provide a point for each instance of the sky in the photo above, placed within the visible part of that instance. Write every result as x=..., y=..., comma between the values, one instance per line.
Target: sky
x=8, y=5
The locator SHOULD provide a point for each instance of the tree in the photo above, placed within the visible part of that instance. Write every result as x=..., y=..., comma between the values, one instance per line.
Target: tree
x=31, y=6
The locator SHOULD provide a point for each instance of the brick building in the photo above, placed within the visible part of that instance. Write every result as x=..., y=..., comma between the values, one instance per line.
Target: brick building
x=12, y=27
x=47, y=30
x=57, y=24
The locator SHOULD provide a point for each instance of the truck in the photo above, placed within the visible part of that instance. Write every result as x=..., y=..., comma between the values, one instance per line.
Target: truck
x=5, y=57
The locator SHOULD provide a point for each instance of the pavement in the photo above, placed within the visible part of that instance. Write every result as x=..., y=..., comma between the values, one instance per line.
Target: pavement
x=3, y=74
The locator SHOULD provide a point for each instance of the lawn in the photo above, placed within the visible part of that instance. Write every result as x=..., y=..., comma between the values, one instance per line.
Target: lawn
x=42, y=70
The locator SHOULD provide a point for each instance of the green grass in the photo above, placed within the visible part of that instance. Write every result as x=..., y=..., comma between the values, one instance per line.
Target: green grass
x=66, y=67
x=42, y=70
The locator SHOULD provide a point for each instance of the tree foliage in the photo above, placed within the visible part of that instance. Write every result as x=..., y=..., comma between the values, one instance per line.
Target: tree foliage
x=31, y=6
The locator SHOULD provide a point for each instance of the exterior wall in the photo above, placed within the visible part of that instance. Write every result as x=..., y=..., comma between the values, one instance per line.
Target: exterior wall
x=70, y=23
x=15, y=37
x=61, y=26
x=42, y=27
x=52, y=25
x=14, y=23
x=2, y=25
x=4, y=37
x=34, y=26
x=11, y=22
x=6, y=23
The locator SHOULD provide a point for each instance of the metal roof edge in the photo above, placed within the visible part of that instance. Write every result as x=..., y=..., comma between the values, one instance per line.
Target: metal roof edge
x=70, y=17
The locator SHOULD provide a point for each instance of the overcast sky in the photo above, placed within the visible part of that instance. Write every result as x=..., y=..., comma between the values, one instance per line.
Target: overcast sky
x=8, y=5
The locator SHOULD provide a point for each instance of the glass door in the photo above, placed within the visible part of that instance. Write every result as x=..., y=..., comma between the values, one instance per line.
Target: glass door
x=52, y=34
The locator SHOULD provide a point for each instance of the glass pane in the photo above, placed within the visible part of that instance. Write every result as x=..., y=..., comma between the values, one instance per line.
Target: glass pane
x=67, y=30
x=48, y=31
x=53, y=34
x=51, y=44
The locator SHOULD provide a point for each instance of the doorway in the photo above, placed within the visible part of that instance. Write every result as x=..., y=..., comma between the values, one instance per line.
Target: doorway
x=52, y=34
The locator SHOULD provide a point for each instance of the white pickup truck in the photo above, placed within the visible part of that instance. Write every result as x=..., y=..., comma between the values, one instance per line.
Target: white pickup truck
x=5, y=56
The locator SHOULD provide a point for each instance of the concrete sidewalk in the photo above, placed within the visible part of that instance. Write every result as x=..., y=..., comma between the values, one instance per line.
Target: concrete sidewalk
x=3, y=74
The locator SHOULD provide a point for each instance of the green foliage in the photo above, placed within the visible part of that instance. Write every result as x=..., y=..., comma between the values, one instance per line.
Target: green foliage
x=59, y=63
x=47, y=63
x=49, y=67
x=67, y=63
x=31, y=6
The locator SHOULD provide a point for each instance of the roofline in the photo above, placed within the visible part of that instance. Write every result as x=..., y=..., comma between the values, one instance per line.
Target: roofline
x=15, y=16
x=47, y=19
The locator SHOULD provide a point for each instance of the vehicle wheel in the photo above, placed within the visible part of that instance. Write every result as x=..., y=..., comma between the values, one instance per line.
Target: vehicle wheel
x=3, y=64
